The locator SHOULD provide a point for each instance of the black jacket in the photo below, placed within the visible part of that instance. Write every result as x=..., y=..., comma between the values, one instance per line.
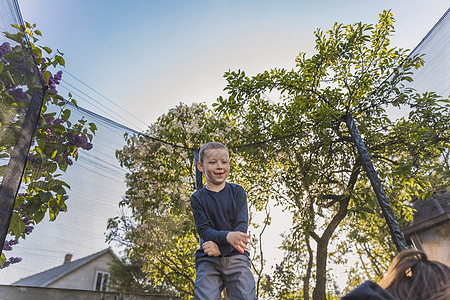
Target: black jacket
x=369, y=291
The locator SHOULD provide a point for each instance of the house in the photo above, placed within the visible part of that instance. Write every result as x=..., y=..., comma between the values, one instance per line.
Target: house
x=83, y=279
x=430, y=229
x=87, y=273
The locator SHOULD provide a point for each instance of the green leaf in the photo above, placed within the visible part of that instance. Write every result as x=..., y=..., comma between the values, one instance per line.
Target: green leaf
x=47, y=49
x=51, y=167
x=59, y=190
x=38, y=32
x=39, y=215
x=93, y=127
x=63, y=166
x=18, y=229
x=53, y=204
x=39, y=151
x=17, y=37
x=60, y=60
x=52, y=215
x=2, y=259
x=46, y=76
x=66, y=115
x=45, y=196
x=38, y=52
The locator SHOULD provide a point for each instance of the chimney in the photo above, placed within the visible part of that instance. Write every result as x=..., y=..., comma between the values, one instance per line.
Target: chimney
x=68, y=258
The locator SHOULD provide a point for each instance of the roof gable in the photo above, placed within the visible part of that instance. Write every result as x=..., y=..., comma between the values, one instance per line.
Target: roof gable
x=45, y=278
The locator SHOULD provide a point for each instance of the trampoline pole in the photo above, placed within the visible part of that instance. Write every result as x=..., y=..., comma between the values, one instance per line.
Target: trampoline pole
x=394, y=228
x=17, y=162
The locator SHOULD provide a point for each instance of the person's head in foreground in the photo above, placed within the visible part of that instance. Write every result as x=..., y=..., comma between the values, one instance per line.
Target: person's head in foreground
x=413, y=276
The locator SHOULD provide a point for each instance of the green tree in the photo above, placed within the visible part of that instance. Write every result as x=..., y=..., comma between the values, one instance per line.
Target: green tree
x=128, y=276
x=25, y=67
x=159, y=230
x=320, y=178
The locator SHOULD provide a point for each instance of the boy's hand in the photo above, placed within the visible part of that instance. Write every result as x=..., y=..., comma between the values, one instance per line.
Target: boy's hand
x=238, y=240
x=211, y=248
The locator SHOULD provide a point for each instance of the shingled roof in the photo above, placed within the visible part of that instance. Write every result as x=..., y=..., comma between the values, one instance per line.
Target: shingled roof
x=45, y=278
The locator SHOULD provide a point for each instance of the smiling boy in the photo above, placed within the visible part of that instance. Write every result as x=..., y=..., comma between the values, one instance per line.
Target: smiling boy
x=221, y=217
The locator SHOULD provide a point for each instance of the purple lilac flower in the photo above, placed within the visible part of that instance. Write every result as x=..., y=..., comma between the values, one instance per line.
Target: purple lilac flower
x=13, y=242
x=53, y=81
x=21, y=111
x=10, y=261
x=5, y=48
x=18, y=94
x=58, y=121
x=15, y=260
x=279, y=268
x=68, y=160
x=6, y=264
x=79, y=140
x=57, y=78
x=49, y=120
x=7, y=246
x=21, y=207
x=28, y=229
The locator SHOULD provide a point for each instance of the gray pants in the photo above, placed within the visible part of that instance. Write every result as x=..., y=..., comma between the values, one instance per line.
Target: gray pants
x=216, y=273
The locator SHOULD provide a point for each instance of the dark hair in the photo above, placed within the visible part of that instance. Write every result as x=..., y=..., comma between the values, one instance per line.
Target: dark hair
x=210, y=145
x=413, y=276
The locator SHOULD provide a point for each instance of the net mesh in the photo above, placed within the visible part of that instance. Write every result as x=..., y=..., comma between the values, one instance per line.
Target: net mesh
x=15, y=61
x=435, y=46
x=97, y=180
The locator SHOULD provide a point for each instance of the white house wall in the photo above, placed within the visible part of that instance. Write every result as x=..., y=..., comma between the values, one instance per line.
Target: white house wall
x=83, y=278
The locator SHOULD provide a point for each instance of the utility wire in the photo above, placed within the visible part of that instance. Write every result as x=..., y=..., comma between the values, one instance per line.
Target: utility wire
x=78, y=96
x=146, y=135
x=86, y=95
x=106, y=98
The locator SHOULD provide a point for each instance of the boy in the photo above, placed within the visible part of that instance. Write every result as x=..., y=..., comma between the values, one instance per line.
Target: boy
x=221, y=217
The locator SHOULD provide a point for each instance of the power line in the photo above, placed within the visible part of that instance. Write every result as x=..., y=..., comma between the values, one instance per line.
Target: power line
x=106, y=98
x=146, y=135
x=99, y=103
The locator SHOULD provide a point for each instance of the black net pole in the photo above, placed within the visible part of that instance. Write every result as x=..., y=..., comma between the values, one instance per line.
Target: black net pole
x=388, y=214
x=198, y=174
x=17, y=162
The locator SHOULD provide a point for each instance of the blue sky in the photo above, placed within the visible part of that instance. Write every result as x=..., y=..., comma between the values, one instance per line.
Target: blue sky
x=148, y=56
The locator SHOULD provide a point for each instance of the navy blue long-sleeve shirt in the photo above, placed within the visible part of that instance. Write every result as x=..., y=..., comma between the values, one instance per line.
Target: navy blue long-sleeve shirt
x=218, y=213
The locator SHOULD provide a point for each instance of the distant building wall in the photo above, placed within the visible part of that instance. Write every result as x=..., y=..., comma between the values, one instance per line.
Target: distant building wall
x=83, y=278
x=8, y=292
x=435, y=242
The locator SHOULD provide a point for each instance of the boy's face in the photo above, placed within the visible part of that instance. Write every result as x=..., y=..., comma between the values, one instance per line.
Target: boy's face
x=215, y=166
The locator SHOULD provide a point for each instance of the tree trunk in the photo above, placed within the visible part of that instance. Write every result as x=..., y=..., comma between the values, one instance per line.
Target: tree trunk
x=321, y=270
x=307, y=277
x=322, y=242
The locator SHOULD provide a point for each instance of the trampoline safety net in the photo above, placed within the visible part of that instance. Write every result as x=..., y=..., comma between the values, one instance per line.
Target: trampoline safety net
x=96, y=179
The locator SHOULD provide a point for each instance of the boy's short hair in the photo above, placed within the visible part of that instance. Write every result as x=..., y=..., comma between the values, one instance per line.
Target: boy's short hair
x=210, y=145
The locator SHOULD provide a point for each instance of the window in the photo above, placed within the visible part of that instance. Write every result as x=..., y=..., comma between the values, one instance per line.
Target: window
x=101, y=281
